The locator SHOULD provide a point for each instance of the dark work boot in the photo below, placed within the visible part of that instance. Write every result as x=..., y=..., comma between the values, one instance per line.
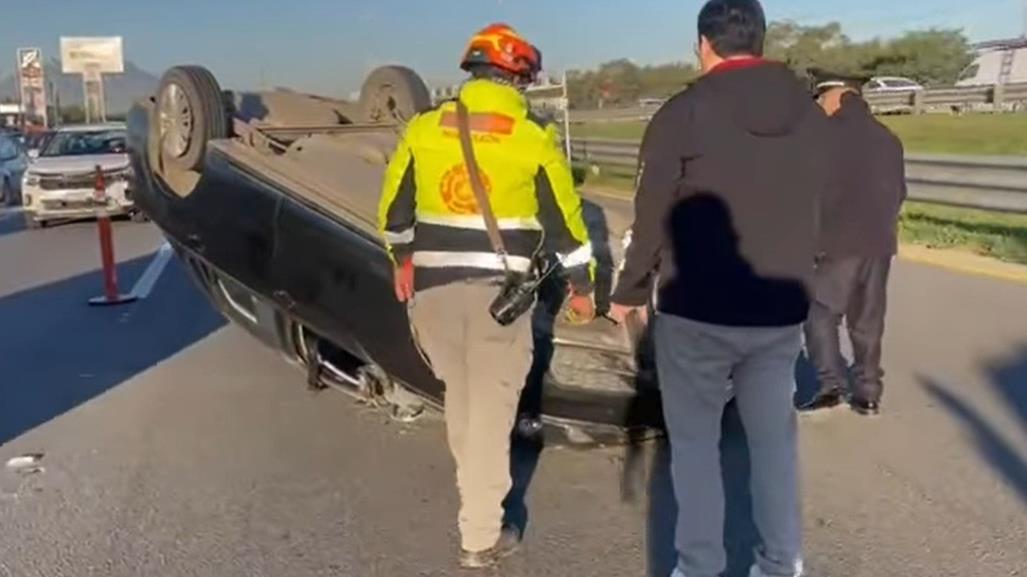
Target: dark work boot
x=509, y=541
x=866, y=397
x=865, y=407
x=824, y=401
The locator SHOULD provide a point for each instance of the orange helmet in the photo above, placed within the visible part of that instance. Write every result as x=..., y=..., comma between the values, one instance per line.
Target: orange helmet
x=501, y=46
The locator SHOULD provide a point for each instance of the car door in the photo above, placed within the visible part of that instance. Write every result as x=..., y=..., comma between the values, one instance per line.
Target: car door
x=231, y=215
x=336, y=278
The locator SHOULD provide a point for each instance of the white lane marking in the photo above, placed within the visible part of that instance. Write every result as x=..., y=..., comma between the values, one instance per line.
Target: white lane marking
x=149, y=278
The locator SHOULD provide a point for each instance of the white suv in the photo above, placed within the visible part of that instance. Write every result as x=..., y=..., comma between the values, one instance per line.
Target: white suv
x=60, y=181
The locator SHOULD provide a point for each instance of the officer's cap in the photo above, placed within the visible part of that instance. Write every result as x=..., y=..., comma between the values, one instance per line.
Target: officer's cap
x=822, y=80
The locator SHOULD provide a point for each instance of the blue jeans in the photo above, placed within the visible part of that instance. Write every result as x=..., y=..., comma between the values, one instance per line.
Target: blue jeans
x=701, y=367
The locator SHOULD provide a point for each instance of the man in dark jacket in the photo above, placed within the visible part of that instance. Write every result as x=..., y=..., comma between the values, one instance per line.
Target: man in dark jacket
x=858, y=241
x=726, y=218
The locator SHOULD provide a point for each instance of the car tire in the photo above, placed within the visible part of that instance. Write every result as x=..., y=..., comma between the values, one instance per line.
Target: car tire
x=191, y=111
x=32, y=224
x=393, y=94
x=139, y=216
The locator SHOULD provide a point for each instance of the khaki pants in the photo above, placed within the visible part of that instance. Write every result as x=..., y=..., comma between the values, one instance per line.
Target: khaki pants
x=484, y=366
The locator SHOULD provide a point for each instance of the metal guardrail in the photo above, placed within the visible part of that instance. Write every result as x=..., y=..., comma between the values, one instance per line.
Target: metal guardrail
x=982, y=182
x=998, y=98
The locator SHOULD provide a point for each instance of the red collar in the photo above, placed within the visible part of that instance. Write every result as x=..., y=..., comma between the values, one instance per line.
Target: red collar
x=737, y=64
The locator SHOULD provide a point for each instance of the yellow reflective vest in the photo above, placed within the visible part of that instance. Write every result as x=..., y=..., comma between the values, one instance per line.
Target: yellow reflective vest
x=428, y=211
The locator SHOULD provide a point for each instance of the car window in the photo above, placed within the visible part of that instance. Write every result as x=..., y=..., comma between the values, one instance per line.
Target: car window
x=37, y=140
x=83, y=143
x=970, y=72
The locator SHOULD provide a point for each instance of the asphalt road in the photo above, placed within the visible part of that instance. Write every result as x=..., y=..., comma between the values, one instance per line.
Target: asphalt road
x=175, y=445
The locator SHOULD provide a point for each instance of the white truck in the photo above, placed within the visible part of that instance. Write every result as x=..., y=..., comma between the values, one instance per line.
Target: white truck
x=997, y=62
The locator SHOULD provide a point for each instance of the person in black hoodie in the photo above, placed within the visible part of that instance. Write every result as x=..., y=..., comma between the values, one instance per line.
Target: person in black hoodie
x=726, y=214
x=858, y=240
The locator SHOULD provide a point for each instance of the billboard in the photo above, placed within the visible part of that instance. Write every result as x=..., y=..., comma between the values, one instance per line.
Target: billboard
x=92, y=55
x=32, y=85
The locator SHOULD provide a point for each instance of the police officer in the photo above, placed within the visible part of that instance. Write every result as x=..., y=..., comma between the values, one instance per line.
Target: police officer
x=859, y=222
x=439, y=242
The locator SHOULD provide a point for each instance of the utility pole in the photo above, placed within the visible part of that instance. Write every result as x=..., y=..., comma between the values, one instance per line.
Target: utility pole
x=565, y=103
x=57, y=119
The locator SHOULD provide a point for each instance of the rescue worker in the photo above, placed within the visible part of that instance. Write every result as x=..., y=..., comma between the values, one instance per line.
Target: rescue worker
x=448, y=272
x=859, y=237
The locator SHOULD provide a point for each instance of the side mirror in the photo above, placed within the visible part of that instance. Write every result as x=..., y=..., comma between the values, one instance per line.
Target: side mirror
x=33, y=153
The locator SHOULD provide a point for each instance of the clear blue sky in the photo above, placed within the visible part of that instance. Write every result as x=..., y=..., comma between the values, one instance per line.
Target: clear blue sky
x=326, y=46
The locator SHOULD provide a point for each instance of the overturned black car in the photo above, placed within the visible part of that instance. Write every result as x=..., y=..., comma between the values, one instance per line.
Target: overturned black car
x=270, y=199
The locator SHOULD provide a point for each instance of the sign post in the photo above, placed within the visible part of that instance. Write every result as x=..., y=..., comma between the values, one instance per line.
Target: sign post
x=92, y=87
x=32, y=86
x=92, y=58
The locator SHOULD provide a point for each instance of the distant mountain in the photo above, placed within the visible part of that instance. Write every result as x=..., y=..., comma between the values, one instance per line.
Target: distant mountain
x=121, y=90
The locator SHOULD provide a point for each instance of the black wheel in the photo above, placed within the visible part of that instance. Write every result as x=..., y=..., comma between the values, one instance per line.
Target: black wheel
x=32, y=223
x=393, y=94
x=191, y=112
x=139, y=216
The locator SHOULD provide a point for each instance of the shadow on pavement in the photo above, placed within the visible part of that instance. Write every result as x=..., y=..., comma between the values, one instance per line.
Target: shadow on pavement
x=806, y=382
x=11, y=222
x=740, y=534
x=524, y=457
x=56, y=352
x=1009, y=377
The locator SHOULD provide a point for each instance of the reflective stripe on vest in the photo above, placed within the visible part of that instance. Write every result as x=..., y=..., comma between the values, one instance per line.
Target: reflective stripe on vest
x=578, y=257
x=483, y=260
x=402, y=237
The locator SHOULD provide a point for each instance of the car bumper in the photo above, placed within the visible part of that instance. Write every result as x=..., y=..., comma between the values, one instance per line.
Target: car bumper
x=55, y=204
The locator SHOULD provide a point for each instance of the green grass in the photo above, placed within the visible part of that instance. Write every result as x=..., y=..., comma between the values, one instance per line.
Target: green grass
x=982, y=134
x=618, y=130
x=1001, y=236
x=996, y=235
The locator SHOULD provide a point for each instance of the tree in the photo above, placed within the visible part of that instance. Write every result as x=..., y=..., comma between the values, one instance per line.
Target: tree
x=934, y=57
x=621, y=82
x=803, y=47
x=930, y=56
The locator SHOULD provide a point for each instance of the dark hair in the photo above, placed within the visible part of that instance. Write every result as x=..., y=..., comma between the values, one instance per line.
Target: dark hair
x=734, y=27
x=494, y=73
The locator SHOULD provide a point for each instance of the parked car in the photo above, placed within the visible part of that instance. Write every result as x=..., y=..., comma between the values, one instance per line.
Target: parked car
x=892, y=84
x=59, y=183
x=13, y=162
x=271, y=199
x=651, y=102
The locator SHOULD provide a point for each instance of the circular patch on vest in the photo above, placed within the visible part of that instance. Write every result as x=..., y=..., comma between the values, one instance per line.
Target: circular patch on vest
x=456, y=191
